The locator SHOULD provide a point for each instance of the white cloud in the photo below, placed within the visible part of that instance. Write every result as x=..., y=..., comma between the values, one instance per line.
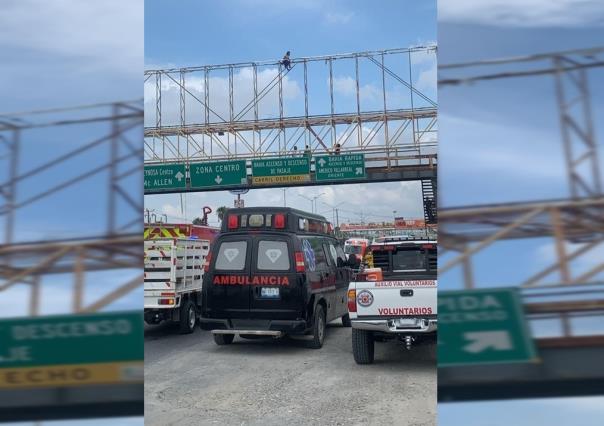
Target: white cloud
x=376, y=201
x=103, y=34
x=338, y=18
x=173, y=211
x=523, y=13
x=347, y=86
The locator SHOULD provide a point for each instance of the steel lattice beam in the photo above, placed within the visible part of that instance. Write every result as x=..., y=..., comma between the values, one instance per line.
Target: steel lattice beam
x=25, y=263
x=201, y=131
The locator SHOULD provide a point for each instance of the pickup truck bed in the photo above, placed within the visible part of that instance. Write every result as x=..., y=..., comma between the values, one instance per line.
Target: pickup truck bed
x=399, y=305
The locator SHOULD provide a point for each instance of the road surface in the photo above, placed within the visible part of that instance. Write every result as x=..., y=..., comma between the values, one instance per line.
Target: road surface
x=189, y=380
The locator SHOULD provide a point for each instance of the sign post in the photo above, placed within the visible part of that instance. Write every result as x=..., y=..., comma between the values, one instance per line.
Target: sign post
x=221, y=173
x=280, y=170
x=68, y=350
x=165, y=177
x=482, y=327
x=340, y=167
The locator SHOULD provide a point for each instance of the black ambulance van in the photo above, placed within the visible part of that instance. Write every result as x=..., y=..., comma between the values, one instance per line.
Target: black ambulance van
x=274, y=271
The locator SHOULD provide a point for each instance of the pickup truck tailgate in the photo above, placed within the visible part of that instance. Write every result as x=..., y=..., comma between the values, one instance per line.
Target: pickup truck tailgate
x=392, y=299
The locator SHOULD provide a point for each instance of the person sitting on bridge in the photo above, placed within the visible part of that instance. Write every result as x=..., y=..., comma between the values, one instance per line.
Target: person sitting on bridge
x=286, y=62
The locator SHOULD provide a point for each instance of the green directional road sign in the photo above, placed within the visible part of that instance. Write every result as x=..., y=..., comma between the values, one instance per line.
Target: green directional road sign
x=65, y=350
x=221, y=173
x=71, y=339
x=280, y=170
x=165, y=176
x=482, y=326
x=340, y=167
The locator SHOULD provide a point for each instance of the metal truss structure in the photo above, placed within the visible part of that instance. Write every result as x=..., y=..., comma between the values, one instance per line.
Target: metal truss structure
x=104, y=137
x=469, y=230
x=569, y=69
x=365, y=102
x=565, y=291
x=580, y=219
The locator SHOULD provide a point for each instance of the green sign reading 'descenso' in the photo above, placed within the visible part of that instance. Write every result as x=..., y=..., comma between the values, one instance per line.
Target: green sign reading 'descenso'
x=280, y=170
x=71, y=339
x=482, y=326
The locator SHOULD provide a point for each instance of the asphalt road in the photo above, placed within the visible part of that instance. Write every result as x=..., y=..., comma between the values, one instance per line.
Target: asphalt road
x=189, y=380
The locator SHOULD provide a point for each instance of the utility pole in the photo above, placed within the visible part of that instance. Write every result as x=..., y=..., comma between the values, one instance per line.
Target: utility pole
x=335, y=211
x=313, y=201
x=148, y=213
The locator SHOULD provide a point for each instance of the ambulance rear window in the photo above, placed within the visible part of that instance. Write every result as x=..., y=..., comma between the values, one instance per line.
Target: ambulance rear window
x=273, y=256
x=231, y=256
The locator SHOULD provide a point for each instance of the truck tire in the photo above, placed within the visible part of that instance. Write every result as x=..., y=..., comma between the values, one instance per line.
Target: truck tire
x=188, y=317
x=223, y=339
x=318, y=328
x=362, y=346
x=346, y=320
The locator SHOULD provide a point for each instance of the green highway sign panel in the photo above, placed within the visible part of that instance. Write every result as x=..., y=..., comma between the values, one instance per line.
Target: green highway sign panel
x=221, y=173
x=165, y=176
x=340, y=167
x=280, y=170
x=69, y=350
x=71, y=339
x=482, y=327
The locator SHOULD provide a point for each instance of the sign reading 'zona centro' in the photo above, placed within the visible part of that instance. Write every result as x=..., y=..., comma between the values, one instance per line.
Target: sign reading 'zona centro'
x=222, y=173
x=68, y=350
x=340, y=167
x=482, y=326
x=166, y=176
x=280, y=170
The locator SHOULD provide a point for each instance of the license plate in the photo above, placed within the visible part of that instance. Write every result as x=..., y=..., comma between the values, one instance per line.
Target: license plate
x=405, y=322
x=269, y=292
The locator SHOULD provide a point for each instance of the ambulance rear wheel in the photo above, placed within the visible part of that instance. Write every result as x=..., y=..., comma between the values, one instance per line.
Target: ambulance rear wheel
x=223, y=339
x=318, y=328
x=188, y=317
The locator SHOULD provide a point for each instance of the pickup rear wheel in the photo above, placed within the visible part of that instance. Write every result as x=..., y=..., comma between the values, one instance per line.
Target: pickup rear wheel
x=223, y=339
x=346, y=320
x=318, y=328
x=188, y=317
x=362, y=346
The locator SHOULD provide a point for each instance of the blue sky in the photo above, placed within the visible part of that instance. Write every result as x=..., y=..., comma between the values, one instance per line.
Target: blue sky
x=67, y=53
x=200, y=33
x=197, y=33
x=500, y=141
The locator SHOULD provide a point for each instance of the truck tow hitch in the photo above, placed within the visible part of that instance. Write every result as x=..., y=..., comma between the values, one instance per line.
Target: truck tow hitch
x=408, y=341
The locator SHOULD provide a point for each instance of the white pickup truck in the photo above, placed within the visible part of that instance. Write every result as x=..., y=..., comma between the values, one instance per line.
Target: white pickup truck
x=396, y=299
x=173, y=277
